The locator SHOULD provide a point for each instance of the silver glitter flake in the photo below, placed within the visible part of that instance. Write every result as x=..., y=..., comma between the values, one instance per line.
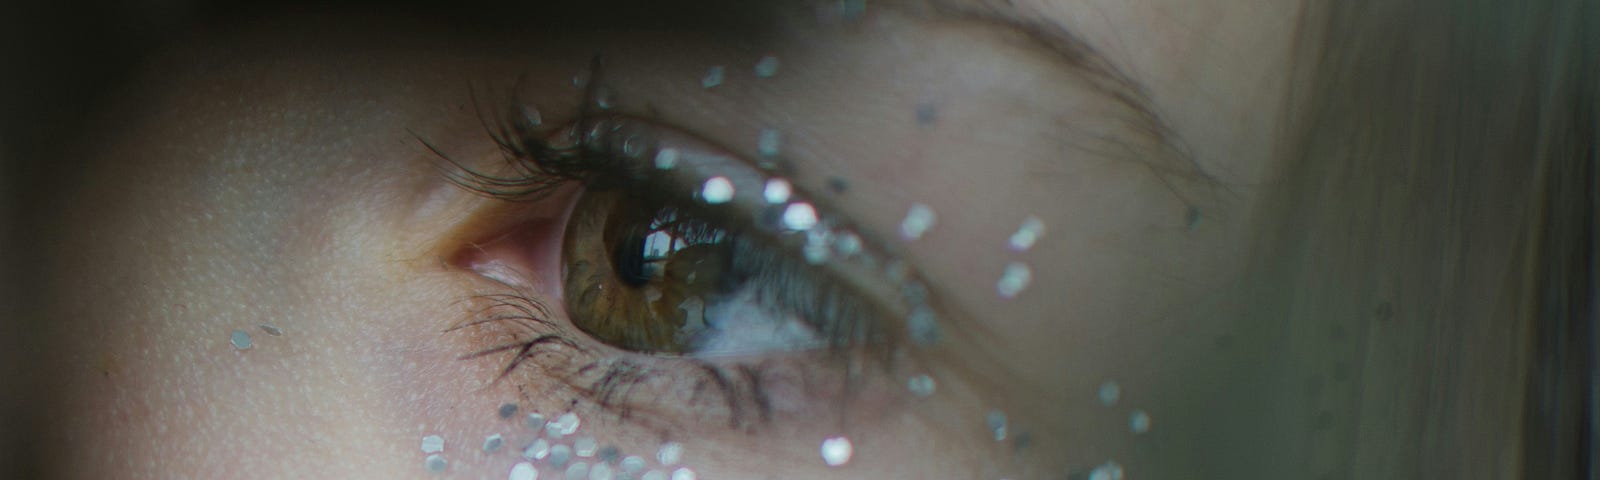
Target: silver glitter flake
x=560, y=455
x=535, y=421
x=585, y=447
x=578, y=471
x=683, y=474
x=493, y=443
x=799, y=216
x=836, y=451
x=667, y=158
x=847, y=243
x=669, y=454
x=919, y=219
x=923, y=326
x=921, y=385
x=717, y=190
x=1139, y=421
x=713, y=77
x=997, y=424
x=654, y=475
x=608, y=454
x=537, y=450
x=777, y=191
x=432, y=444
x=564, y=425
x=601, y=471
x=271, y=330
x=523, y=471
x=769, y=142
x=436, y=463
x=1107, y=471
x=633, y=464
x=1109, y=393
x=767, y=66
x=507, y=410
x=240, y=340
x=1014, y=280
x=1030, y=231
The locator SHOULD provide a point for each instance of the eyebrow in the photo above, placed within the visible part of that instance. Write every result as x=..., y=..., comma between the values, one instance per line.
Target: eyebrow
x=1167, y=157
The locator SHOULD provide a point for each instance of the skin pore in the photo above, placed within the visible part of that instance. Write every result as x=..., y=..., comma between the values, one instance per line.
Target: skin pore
x=275, y=175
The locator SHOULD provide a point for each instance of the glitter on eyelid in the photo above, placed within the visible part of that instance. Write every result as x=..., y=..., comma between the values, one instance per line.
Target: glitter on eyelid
x=997, y=424
x=667, y=158
x=799, y=216
x=240, y=340
x=507, y=410
x=669, y=454
x=1015, y=279
x=1107, y=471
x=777, y=191
x=585, y=447
x=537, y=450
x=767, y=66
x=717, y=190
x=1030, y=231
x=493, y=443
x=921, y=385
x=918, y=220
x=436, y=463
x=1139, y=421
x=271, y=330
x=1109, y=393
x=432, y=444
x=768, y=143
x=683, y=474
x=836, y=451
x=713, y=77
x=523, y=471
x=578, y=471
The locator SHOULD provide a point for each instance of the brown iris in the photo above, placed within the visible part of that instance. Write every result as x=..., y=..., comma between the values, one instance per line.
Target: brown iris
x=638, y=275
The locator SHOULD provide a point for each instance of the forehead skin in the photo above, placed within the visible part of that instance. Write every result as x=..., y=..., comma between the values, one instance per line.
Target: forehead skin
x=274, y=176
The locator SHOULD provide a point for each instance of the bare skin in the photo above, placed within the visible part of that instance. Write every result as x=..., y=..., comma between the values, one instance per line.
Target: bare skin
x=275, y=176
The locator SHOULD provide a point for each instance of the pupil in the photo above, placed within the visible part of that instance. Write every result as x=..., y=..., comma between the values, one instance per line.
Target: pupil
x=629, y=259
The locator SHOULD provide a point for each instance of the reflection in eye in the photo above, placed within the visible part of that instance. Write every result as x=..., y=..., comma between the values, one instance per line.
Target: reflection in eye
x=693, y=290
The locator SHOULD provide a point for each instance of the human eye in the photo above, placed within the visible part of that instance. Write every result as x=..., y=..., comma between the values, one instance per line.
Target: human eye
x=670, y=282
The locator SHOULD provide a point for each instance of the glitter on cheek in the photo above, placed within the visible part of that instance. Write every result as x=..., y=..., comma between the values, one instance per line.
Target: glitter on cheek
x=921, y=385
x=585, y=447
x=836, y=451
x=713, y=77
x=1026, y=235
x=271, y=330
x=633, y=464
x=537, y=450
x=1139, y=421
x=777, y=191
x=578, y=471
x=432, y=444
x=560, y=455
x=919, y=219
x=601, y=471
x=240, y=340
x=653, y=475
x=998, y=424
x=523, y=471
x=1014, y=280
x=535, y=421
x=669, y=454
x=767, y=66
x=493, y=443
x=1109, y=393
x=507, y=410
x=717, y=190
x=927, y=114
x=436, y=463
x=684, y=473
